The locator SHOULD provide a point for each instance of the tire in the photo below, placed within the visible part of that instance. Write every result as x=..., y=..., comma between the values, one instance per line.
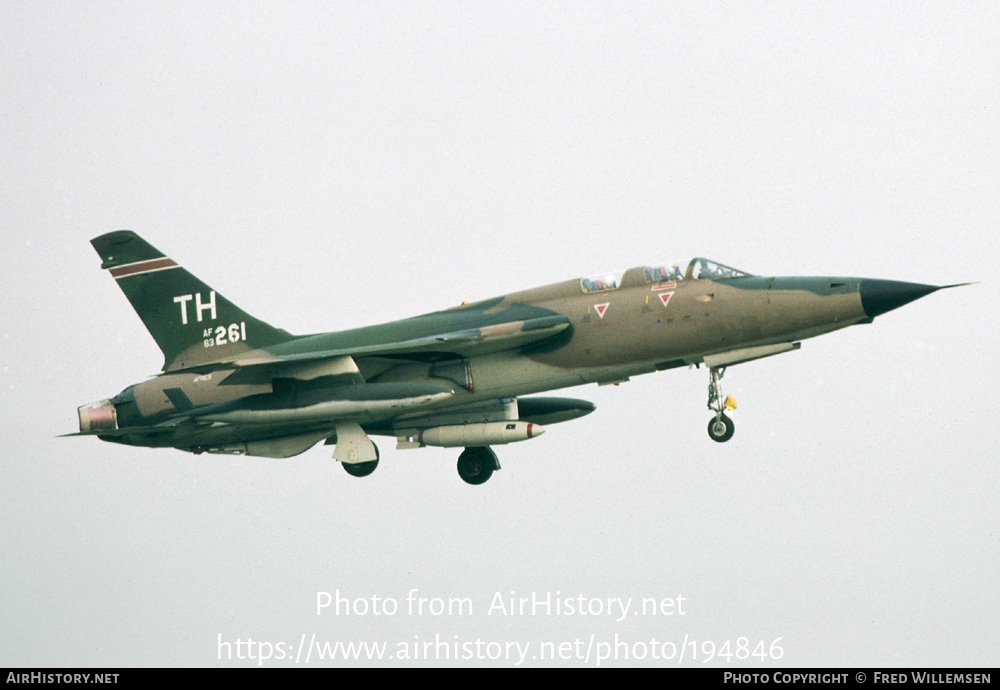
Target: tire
x=476, y=465
x=360, y=469
x=723, y=434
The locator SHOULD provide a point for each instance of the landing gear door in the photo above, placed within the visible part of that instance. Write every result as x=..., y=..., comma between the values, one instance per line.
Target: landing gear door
x=455, y=371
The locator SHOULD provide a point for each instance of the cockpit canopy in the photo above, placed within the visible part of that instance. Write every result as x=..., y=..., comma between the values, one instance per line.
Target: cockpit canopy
x=701, y=269
x=604, y=281
x=664, y=274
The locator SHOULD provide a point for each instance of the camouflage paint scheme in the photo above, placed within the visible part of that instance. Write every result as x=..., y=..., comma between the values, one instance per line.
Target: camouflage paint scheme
x=232, y=383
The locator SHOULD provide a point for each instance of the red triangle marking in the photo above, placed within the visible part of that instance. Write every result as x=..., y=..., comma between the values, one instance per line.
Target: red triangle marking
x=665, y=297
x=601, y=308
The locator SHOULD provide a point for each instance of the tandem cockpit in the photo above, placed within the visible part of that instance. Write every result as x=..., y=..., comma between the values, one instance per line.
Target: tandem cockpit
x=665, y=274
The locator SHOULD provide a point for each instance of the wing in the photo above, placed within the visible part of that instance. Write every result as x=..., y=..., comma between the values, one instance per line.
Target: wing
x=475, y=341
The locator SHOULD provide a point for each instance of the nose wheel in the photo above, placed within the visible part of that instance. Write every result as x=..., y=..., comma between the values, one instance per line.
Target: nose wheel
x=720, y=427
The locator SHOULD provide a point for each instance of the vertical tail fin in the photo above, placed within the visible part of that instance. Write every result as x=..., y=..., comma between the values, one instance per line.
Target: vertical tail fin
x=190, y=322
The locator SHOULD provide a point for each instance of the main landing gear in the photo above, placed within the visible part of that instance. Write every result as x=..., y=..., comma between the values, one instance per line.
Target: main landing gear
x=476, y=465
x=720, y=427
x=361, y=469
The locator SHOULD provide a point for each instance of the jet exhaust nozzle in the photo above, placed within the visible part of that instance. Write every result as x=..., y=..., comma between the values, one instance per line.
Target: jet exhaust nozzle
x=98, y=416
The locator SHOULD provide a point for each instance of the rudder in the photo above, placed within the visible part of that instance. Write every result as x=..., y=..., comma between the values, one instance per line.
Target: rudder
x=191, y=323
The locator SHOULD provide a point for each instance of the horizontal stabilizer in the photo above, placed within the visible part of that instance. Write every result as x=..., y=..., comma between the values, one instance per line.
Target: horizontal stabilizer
x=155, y=430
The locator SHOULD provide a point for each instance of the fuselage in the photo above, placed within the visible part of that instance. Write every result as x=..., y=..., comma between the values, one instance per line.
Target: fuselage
x=461, y=377
x=633, y=323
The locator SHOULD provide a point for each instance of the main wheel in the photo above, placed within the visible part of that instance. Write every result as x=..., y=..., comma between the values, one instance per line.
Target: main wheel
x=361, y=469
x=476, y=465
x=721, y=429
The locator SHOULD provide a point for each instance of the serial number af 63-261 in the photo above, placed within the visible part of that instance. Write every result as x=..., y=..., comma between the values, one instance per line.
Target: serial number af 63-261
x=462, y=377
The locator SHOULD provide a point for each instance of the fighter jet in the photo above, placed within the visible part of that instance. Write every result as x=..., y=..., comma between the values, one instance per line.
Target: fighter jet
x=462, y=377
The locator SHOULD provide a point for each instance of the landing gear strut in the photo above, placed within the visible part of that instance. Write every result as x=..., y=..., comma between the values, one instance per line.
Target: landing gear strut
x=476, y=465
x=720, y=427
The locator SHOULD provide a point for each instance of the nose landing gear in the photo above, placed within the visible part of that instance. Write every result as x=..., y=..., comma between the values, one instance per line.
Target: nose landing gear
x=720, y=427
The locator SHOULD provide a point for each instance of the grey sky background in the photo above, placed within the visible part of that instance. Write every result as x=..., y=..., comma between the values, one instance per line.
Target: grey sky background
x=331, y=165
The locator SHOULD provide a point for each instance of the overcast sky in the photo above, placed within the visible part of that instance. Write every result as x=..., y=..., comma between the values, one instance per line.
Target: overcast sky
x=331, y=165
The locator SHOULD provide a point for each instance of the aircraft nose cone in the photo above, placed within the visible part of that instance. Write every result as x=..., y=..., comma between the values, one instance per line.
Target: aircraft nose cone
x=880, y=296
